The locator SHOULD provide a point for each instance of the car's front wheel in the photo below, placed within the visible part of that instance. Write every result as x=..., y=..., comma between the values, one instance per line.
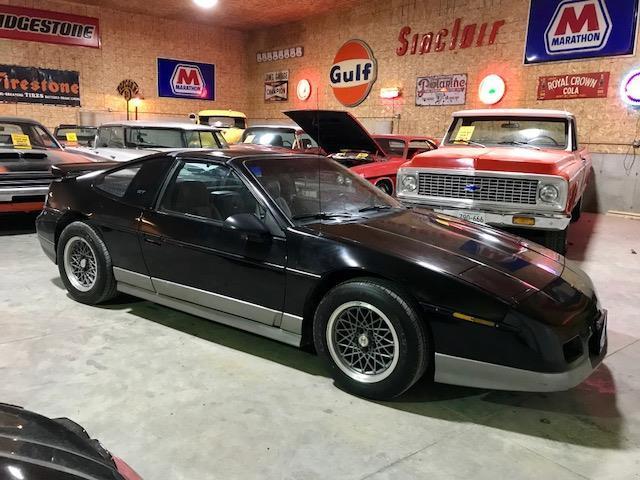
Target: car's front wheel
x=85, y=265
x=372, y=338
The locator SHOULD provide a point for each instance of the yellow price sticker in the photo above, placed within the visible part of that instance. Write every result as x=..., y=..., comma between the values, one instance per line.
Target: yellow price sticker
x=20, y=141
x=465, y=133
x=362, y=155
x=72, y=137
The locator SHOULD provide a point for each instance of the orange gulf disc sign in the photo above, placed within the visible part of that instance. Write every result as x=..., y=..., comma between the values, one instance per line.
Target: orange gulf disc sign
x=353, y=73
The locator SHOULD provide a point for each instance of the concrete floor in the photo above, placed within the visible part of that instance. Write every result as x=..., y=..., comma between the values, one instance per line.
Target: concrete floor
x=183, y=398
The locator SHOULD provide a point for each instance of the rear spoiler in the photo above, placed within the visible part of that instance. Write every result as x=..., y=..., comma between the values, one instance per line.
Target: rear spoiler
x=74, y=169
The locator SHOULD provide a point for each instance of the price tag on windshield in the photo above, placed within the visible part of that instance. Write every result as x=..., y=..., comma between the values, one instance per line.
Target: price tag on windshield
x=72, y=137
x=362, y=155
x=464, y=134
x=20, y=141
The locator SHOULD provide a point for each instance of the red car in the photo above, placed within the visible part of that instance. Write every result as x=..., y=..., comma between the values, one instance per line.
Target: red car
x=376, y=158
x=27, y=153
x=512, y=168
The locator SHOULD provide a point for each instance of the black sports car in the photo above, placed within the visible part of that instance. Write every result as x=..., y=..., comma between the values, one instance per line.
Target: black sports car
x=33, y=447
x=299, y=249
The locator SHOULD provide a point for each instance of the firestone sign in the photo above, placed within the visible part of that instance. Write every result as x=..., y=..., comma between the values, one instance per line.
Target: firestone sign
x=573, y=29
x=353, y=73
x=183, y=79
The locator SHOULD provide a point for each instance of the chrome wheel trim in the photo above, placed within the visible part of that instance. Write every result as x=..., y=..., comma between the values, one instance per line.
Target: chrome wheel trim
x=362, y=342
x=80, y=264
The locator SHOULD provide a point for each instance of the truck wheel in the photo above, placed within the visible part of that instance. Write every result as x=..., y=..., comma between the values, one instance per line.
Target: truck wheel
x=556, y=240
x=576, y=212
x=372, y=339
x=85, y=265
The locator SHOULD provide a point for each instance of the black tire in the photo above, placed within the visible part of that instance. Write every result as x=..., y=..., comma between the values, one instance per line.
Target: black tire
x=386, y=186
x=556, y=240
x=576, y=212
x=410, y=359
x=103, y=287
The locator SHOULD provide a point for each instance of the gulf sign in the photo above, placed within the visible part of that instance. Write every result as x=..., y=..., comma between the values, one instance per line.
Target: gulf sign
x=575, y=29
x=353, y=73
x=185, y=79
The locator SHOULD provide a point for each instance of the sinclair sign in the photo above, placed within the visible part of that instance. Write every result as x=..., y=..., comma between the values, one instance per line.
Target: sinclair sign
x=184, y=79
x=575, y=29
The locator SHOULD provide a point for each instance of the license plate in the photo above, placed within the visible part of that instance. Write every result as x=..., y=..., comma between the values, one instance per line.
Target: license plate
x=469, y=216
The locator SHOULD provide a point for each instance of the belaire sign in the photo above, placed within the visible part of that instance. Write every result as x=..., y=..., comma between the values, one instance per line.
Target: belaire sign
x=35, y=25
x=459, y=36
x=570, y=87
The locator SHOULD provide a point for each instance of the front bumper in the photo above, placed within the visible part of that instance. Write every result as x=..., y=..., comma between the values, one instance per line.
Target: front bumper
x=556, y=221
x=12, y=194
x=46, y=227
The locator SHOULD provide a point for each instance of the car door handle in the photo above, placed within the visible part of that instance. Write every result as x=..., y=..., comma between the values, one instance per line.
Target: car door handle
x=152, y=240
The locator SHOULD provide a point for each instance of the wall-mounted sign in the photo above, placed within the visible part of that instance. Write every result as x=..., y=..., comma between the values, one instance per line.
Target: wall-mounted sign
x=569, y=87
x=281, y=54
x=34, y=25
x=186, y=79
x=39, y=85
x=303, y=89
x=572, y=29
x=276, y=86
x=441, y=90
x=128, y=89
x=459, y=35
x=353, y=73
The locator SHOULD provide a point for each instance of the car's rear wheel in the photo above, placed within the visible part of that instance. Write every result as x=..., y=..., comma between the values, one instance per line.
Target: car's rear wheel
x=556, y=240
x=85, y=265
x=386, y=186
x=371, y=338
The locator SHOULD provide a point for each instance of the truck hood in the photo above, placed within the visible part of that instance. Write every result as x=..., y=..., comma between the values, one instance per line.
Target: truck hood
x=36, y=160
x=335, y=131
x=503, y=264
x=513, y=159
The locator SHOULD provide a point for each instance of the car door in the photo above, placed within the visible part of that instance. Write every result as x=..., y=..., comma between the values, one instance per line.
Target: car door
x=122, y=194
x=192, y=257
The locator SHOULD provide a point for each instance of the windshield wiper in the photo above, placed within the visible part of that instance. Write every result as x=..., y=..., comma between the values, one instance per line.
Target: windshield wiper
x=470, y=142
x=375, y=208
x=520, y=144
x=321, y=216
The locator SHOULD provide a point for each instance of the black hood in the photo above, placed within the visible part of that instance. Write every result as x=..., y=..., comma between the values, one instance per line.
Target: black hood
x=37, y=160
x=335, y=131
x=38, y=447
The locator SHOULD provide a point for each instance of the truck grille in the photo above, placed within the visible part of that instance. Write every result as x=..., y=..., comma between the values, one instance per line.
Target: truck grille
x=486, y=189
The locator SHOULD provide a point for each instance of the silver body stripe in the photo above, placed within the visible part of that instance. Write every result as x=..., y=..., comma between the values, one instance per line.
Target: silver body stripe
x=300, y=272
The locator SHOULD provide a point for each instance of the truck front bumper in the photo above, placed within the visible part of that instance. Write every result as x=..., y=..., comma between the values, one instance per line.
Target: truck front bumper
x=536, y=221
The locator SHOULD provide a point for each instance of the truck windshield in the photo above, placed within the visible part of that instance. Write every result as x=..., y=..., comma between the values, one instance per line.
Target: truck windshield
x=509, y=131
x=224, y=122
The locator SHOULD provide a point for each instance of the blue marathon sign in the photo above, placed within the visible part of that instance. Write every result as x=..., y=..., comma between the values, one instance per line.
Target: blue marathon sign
x=185, y=79
x=572, y=29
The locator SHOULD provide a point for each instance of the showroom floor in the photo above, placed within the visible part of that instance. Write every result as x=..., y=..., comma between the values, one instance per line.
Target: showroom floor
x=183, y=398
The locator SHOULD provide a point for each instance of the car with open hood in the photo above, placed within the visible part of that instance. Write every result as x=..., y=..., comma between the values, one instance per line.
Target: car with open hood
x=34, y=447
x=27, y=153
x=302, y=250
x=130, y=139
x=342, y=137
x=511, y=168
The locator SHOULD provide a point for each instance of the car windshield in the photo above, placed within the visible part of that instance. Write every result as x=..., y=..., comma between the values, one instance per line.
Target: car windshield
x=311, y=189
x=278, y=137
x=224, y=122
x=141, y=137
x=15, y=135
x=83, y=133
x=391, y=146
x=525, y=132
x=205, y=139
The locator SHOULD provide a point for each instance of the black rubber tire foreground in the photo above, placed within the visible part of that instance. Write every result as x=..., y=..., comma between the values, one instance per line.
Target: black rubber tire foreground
x=556, y=240
x=415, y=350
x=105, y=286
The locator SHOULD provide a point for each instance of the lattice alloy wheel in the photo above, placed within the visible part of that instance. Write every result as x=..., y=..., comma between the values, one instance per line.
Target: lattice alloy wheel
x=80, y=264
x=362, y=342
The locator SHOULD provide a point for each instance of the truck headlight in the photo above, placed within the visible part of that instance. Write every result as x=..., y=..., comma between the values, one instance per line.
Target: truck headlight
x=549, y=193
x=409, y=183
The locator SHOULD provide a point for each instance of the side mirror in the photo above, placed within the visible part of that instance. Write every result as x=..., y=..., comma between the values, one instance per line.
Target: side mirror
x=248, y=226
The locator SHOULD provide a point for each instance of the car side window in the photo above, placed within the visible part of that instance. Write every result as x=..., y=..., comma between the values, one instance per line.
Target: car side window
x=137, y=184
x=208, y=190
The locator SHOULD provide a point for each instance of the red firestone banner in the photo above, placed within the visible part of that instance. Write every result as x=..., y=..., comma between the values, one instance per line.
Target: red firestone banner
x=34, y=25
x=569, y=87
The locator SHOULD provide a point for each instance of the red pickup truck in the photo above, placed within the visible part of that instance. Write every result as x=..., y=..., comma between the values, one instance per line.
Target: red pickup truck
x=512, y=168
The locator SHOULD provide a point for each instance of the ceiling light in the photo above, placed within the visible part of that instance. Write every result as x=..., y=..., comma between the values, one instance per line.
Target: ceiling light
x=206, y=3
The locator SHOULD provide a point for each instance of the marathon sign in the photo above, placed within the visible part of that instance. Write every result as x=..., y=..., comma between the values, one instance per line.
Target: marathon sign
x=18, y=23
x=185, y=79
x=576, y=29
x=571, y=87
x=39, y=85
